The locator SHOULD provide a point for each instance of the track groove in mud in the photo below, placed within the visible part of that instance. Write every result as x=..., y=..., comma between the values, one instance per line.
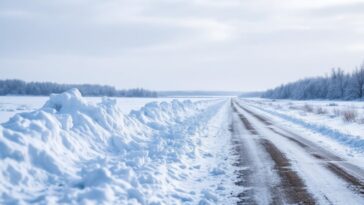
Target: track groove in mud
x=291, y=184
x=355, y=183
x=293, y=188
x=244, y=172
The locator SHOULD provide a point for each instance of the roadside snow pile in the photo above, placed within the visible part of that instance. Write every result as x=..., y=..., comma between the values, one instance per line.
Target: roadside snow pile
x=71, y=151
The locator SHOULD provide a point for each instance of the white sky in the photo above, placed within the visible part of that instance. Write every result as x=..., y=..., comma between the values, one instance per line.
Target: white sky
x=240, y=45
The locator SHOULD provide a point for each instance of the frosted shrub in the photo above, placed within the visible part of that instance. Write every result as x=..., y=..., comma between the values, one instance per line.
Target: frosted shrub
x=332, y=104
x=336, y=112
x=320, y=111
x=293, y=107
x=361, y=120
x=349, y=115
x=308, y=108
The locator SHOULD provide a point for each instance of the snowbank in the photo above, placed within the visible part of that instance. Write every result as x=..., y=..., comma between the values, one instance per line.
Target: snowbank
x=71, y=151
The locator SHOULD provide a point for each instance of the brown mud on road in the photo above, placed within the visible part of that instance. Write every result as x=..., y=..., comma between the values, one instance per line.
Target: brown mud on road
x=327, y=158
x=291, y=188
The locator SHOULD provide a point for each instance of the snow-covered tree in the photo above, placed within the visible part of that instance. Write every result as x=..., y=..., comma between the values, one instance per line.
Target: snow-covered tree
x=338, y=85
x=19, y=87
x=358, y=82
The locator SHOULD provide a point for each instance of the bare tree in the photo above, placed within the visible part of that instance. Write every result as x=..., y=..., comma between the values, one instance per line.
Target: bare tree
x=339, y=85
x=358, y=81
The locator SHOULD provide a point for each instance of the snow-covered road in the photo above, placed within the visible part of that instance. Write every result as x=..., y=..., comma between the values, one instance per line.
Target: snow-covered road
x=280, y=166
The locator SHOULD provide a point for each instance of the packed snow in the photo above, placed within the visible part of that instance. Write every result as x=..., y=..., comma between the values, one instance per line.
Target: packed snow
x=73, y=151
x=329, y=168
x=323, y=122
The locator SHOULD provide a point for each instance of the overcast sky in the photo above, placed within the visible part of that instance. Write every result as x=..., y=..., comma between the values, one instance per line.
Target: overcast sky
x=240, y=45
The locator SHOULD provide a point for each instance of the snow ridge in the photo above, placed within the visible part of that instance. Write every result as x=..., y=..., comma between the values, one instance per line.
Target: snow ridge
x=74, y=152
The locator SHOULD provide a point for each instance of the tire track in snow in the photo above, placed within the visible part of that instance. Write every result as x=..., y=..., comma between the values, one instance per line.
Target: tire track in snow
x=254, y=174
x=291, y=185
x=335, y=164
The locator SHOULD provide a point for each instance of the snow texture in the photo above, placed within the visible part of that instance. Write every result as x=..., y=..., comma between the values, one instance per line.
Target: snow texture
x=355, y=142
x=320, y=122
x=74, y=152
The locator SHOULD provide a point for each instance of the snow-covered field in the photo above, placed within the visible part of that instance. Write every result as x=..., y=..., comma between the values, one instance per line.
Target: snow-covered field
x=10, y=105
x=75, y=150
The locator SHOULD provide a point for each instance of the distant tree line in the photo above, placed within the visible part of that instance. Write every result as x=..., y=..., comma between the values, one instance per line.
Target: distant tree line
x=338, y=85
x=197, y=93
x=19, y=87
x=251, y=94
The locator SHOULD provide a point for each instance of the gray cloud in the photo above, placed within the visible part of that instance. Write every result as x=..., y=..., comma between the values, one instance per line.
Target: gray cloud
x=197, y=44
x=351, y=8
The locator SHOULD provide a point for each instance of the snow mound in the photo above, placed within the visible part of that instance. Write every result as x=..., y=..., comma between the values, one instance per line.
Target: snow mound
x=75, y=152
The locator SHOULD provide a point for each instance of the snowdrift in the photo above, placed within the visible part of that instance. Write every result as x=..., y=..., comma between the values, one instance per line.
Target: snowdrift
x=74, y=152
